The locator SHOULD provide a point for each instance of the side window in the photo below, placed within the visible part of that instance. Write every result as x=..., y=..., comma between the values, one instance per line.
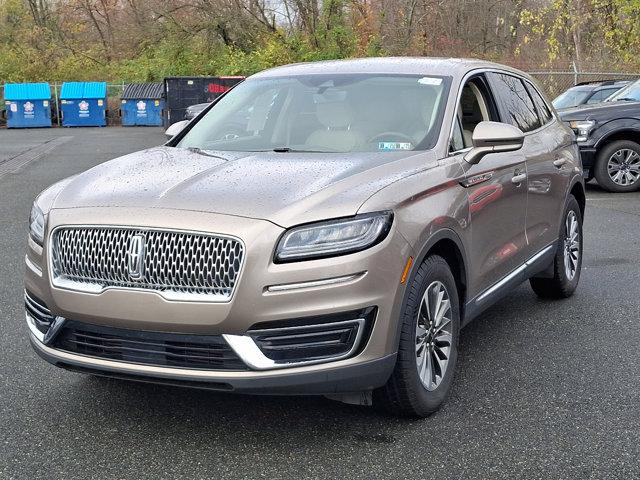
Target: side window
x=457, y=140
x=541, y=106
x=517, y=106
x=476, y=105
x=607, y=92
x=597, y=97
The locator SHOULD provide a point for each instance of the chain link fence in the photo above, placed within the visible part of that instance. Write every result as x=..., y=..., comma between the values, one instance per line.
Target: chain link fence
x=554, y=83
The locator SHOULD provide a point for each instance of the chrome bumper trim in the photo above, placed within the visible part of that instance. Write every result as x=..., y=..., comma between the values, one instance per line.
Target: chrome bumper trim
x=44, y=338
x=287, y=287
x=32, y=266
x=249, y=352
x=55, y=355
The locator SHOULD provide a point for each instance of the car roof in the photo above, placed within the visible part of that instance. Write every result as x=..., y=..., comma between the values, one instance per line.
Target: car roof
x=387, y=65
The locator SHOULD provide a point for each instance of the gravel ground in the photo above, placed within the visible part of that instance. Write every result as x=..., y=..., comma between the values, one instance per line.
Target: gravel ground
x=544, y=389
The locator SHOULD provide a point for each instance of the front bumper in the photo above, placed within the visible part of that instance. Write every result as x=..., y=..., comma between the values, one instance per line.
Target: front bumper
x=266, y=294
x=588, y=156
x=325, y=379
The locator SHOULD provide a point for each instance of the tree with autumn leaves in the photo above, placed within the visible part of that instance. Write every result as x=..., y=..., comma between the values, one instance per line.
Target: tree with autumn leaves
x=143, y=40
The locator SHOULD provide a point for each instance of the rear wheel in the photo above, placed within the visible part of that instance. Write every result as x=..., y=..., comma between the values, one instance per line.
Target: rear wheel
x=618, y=166
x=428, y=350
x=567, y=263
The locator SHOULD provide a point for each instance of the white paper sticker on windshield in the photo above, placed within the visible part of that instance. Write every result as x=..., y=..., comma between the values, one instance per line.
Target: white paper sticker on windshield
x=430, y=81
x=394, y=146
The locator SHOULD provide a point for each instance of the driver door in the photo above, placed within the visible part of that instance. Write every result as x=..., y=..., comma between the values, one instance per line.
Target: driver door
x=497, y=200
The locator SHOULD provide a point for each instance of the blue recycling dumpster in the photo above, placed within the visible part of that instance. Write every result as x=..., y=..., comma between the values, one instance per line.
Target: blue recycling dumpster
x=27, y=105
x=142, y=104
x=83, y=104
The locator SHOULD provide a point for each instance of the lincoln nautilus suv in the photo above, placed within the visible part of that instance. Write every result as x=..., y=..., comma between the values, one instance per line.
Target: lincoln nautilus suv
x=322, y=229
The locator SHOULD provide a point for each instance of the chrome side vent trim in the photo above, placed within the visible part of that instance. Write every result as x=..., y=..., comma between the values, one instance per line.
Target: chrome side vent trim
x=274, y=348
x=41, y=322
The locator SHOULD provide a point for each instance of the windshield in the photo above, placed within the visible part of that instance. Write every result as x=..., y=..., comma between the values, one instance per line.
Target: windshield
x=629, y=93
x=325, y=113
x=571, y=98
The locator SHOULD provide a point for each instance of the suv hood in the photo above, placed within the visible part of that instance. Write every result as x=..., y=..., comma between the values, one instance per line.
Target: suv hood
x=284, y=188
x=601, y=111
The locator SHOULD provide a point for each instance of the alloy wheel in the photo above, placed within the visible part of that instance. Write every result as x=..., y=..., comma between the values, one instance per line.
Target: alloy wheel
x=571, y=245
x=623, y=167
x=433, y=335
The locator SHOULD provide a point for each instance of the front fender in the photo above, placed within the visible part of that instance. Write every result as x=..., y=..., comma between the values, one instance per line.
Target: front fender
x=603, y=132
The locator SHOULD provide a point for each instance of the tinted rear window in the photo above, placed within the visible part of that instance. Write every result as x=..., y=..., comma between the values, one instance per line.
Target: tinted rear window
x=541, y=106
x=517, y=106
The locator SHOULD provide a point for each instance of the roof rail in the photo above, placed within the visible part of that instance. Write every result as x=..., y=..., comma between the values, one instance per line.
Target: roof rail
x=602, y=82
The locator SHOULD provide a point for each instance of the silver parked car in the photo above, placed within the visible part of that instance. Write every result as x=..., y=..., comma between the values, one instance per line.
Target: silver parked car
x=335, y=244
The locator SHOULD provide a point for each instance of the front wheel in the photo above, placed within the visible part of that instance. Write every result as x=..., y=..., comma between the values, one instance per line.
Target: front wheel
x=428, y=350
x=567, y=263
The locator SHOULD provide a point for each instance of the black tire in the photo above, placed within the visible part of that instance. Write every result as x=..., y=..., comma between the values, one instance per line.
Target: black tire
x=405, y=394
x=561, y=286
x=601, y=168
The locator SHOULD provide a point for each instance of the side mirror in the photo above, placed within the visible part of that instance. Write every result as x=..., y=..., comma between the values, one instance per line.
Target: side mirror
x=176, y=128
x=490, y=137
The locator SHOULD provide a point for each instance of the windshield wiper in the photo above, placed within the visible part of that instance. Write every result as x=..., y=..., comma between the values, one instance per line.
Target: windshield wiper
x=295, y=150
x=626, y=99
x=206, y=153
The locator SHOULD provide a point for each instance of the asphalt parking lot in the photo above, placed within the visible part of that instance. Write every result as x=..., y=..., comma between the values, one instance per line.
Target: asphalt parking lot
x=544, y=389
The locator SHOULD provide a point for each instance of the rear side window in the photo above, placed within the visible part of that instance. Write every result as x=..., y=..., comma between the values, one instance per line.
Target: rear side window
x=597, y=97
x=517, y=106
x=607, y=92
x=602, y=95
x=541, y=106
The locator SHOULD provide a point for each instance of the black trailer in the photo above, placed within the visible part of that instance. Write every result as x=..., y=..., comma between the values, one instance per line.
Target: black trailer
x=181, y=92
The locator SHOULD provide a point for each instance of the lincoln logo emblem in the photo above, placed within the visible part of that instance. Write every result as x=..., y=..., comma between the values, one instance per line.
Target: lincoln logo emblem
x=135, y=257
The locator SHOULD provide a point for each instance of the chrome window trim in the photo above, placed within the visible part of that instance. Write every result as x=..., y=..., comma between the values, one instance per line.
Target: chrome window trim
x=249, y=352
x=171, y=296
x=478, y=71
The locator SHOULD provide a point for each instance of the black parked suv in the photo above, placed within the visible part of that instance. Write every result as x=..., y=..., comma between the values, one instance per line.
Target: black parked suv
x=588, y=92
x=608, y=135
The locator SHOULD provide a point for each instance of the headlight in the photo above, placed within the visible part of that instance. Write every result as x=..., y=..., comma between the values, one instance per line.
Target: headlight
x=36, y=224
x=582, y=128
x=334, y=237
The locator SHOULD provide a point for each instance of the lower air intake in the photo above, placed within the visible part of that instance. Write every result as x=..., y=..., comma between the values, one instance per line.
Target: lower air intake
x=330, y=340
x=38, y=311
x=209, y=352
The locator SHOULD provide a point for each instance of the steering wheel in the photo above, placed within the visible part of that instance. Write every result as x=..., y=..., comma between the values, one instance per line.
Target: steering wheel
x=397, y=136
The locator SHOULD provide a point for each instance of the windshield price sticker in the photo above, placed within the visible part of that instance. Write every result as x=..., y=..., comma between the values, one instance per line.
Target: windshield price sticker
x=430, y=81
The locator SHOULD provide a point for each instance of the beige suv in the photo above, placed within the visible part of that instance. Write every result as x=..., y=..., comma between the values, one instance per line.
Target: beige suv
x=324, y=228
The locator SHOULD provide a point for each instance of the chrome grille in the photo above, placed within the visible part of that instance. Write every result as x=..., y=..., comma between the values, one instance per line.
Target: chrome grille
x=178, y=265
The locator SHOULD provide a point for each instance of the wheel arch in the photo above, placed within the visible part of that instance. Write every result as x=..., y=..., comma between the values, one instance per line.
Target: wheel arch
x=578, y=191
x=625, y=133
x=447, y=244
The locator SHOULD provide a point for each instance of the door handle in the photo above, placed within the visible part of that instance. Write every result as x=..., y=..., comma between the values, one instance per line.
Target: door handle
x=559, y=162
x=519, y=178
